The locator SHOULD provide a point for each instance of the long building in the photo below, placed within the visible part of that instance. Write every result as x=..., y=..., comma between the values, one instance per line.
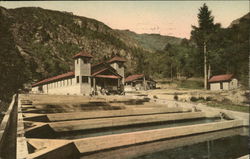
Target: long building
x=86, y=79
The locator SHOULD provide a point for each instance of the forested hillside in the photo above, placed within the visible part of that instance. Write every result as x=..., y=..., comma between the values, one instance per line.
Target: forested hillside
x=37, y=43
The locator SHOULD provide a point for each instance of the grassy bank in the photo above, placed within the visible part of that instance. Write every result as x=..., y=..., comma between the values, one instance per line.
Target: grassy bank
x=232, y=107
x=186, y=84
x=190, y=84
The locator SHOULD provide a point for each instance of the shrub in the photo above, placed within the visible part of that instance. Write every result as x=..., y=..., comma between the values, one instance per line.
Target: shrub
x=209, y=99
x=201, y=98
x=175, y=97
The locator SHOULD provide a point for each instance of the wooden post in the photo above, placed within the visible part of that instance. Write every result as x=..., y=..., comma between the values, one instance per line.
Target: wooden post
x=205, y=66
x=94, y=85
x=144, y=83
x=171, y=71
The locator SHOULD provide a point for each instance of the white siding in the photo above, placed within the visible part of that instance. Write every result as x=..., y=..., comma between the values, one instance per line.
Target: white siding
x=233, y=84
x=35, y=89
x=59, y=87
x=214, y=86
x=225, y=85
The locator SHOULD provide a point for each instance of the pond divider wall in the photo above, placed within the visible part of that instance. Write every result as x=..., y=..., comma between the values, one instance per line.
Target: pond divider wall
x=92, y=144
x=162, y=145
x=74, y=148
x=5, y=126
x=22, y=147
x=101, y=114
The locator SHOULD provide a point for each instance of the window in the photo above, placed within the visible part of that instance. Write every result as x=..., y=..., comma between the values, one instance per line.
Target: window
x=85, y=79
x=77, y=79
x=85, y=61
x=221, y=85
x=120, y=65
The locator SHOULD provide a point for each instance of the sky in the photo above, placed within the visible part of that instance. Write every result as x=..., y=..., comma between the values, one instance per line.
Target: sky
x=173, y=18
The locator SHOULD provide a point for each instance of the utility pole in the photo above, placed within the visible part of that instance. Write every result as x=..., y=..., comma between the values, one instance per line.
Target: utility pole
x=144, y=83
x=209, y=71
x=205, y=66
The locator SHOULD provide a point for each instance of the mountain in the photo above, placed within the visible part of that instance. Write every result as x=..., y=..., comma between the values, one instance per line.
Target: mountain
x=152, y=42
x=237, y=21
x=38, y=43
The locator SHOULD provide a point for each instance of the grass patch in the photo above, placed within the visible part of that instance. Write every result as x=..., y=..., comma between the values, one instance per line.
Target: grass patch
x=233, y=107
x=189, y=84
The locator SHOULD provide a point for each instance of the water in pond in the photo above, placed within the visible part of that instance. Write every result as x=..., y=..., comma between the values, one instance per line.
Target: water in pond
x=224, y=148
x=132, y=128
x=225, y=144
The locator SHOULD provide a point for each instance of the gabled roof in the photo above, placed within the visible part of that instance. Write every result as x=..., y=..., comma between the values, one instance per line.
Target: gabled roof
x=108, y=76
x=133, y=77
x=117, y=58
x=99, y=72
x=83, y=54
x=218, y=78
x=97, y=64
x=62, y=76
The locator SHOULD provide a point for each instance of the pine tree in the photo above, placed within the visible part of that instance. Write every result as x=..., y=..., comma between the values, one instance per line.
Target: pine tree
x=201, y=34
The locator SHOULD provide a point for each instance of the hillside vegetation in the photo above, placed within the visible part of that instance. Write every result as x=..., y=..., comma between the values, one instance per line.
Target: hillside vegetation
x=37, y=43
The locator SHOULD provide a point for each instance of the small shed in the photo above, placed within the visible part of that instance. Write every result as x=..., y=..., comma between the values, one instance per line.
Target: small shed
x=223, y=82
x=139, y=82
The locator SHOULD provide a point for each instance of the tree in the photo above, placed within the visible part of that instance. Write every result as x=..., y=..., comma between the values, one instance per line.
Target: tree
x=201, y=34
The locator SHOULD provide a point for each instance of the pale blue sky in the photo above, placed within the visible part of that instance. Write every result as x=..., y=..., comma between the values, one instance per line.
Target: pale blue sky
x=165, y=17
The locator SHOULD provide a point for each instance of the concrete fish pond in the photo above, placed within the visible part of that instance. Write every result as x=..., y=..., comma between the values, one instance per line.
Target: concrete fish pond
x=120, y=127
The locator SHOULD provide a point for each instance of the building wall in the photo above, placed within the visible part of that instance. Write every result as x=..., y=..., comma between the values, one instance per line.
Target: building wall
x=83, y=69
x=120, y=70
x=225, y=85
x=233, y=84
x=86, y=87
x=215, y=86
x=34, y=89
x=128, y=88
x=65, y=86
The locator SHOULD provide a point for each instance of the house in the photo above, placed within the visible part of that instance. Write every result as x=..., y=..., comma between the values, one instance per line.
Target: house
x=223, y=82
x=86, y=79
x=139, y=82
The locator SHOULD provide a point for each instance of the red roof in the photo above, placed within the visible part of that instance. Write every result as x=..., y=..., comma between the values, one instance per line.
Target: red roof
x=133, y=77
x=93, y=65
x=97, y=72
x=82, y=54
x=65, y=75
x=108, y=76
x=117, y=58
x=219, y=78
